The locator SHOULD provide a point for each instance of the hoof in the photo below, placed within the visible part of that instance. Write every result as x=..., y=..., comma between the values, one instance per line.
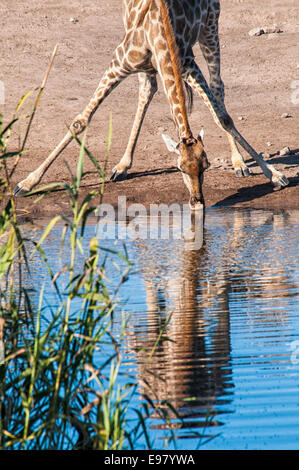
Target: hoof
x=280, y=182
x=277, y=178
x=19, y=191
x=117, y=175
x=242, y=172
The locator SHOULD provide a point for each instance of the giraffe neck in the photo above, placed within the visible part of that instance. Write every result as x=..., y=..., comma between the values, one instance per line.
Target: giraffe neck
x=176, y=65
x=181, y=111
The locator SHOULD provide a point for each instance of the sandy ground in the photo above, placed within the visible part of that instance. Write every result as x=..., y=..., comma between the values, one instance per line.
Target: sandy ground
x=259, y=73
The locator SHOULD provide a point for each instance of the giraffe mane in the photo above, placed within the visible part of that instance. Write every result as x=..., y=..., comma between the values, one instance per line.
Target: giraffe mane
x=175, y=59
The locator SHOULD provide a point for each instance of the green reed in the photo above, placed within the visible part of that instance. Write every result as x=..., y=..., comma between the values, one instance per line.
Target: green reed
x=53, y=392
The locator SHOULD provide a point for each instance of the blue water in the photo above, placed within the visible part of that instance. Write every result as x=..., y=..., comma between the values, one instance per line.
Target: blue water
x=230, y=309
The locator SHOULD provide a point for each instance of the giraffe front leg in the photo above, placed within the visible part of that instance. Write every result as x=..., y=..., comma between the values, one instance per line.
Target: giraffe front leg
x=196, y=80
x=32, y=180
x=147, y=89
x=240, y=167
x=276, y=177
x=116, y=72
x=209, y=45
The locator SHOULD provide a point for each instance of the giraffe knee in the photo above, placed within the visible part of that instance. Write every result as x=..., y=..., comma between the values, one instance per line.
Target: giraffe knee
x=78, y=125
x=227, y=122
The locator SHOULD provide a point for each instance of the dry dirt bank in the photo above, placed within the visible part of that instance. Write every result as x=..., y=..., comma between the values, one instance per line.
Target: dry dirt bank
x=258, y=72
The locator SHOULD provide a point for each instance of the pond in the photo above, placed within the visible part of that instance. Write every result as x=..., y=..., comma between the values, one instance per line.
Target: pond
x=213, y=329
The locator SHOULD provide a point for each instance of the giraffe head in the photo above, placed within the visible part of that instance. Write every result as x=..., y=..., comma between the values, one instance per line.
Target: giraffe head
x=192, y=162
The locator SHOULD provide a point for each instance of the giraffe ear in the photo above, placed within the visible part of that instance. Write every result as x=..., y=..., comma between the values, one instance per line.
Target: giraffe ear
x=171, y=145
x=202, y=134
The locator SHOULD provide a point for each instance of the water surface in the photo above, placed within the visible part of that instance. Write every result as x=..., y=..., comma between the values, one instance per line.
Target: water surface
x=228, y=315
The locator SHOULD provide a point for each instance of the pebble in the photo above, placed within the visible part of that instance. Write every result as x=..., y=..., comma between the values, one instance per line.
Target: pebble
x=269, y=144
x=265, y=30
x=285, y=151
x=286, y=116
x=266, y=155
x=241, y=118
x=74, y=20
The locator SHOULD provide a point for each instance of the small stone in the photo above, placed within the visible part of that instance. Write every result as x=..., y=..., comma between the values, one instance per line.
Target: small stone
x=274, y=29
x=266, y=155
x=74, y=20
x=285, y=151
x=269, y=144
x=256, y=32
x=286, y=116
x=241, y=118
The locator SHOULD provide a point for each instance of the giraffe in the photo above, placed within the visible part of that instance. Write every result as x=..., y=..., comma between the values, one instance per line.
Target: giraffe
x=159, y=36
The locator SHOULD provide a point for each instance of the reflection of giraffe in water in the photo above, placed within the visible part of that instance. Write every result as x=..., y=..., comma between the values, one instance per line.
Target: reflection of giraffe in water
x=184, y=366
x=194, y=289
x=159, y=38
